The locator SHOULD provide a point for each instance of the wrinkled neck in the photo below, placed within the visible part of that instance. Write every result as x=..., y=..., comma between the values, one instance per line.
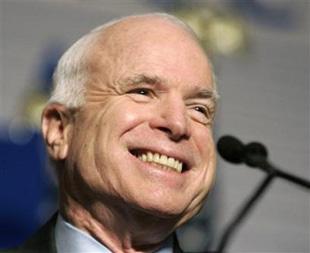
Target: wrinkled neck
x=119, y=228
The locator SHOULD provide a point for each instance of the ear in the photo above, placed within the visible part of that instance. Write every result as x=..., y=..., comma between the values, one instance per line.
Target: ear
x=57, y=122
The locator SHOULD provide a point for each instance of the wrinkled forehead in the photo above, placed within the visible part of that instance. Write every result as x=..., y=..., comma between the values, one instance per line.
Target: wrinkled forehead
x=128, y=34
x=138, y=27
x=147, y=40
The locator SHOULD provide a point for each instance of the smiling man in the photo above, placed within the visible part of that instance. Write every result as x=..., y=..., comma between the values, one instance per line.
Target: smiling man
x=129, y=129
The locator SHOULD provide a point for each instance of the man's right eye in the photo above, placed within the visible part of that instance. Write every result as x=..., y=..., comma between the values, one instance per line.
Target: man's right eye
x=141, y=91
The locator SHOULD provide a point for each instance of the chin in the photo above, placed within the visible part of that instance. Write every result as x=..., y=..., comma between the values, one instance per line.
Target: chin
x=161, y=209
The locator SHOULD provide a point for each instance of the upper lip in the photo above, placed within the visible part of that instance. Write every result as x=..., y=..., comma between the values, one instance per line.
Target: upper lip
x=185, y=158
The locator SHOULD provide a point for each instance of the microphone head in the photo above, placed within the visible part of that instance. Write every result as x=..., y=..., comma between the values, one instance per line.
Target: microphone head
x=255, y=154
x=231, y=149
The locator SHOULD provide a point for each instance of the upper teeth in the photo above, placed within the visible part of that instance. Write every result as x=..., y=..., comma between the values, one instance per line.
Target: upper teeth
x=162, y=160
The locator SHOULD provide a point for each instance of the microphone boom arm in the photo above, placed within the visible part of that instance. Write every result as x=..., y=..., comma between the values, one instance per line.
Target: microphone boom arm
x=244, y=211
x=265, y=165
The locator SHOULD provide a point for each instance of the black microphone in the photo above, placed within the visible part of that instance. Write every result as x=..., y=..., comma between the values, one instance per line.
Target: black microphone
x=234, y=151
x=254, y=155
x=231, y=149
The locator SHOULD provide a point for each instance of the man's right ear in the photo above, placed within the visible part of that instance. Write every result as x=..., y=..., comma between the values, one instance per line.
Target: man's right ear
x=57, y=122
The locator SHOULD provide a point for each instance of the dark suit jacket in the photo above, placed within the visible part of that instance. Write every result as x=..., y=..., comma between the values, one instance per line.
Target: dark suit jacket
x=44, y=241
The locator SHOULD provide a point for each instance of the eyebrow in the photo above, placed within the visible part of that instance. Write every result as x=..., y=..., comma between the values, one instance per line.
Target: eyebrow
x=142, y=78
x=153, y=79
x=206, y=94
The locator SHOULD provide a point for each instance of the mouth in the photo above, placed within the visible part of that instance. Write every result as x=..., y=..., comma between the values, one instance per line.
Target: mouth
x=161, y=160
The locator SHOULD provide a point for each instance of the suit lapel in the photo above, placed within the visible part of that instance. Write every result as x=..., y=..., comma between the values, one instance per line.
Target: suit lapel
x=176, y=246
x=43, y=240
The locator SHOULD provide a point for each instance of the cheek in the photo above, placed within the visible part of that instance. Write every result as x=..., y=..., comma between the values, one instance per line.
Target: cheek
x=204, y=142
x=83, y=139
x=125, y=116
x=207, y=148
x=110, y=129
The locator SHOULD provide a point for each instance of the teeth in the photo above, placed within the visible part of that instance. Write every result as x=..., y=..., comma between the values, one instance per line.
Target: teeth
x=163, y=160
x=156, y=157
x=170, y=162
x=149, y=156
x=144, y=157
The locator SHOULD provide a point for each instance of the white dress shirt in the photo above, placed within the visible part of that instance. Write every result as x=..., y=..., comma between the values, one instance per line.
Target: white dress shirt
x=70, y=239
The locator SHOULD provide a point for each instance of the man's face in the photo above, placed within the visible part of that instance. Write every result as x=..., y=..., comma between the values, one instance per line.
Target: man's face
x=148, y=101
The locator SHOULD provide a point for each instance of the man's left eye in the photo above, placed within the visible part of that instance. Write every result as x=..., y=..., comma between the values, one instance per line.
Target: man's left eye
x=202, y=110
x=201, y=113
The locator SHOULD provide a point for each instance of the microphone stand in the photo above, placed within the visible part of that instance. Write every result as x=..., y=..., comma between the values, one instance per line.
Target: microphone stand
x=266, y=166
x=272, y=173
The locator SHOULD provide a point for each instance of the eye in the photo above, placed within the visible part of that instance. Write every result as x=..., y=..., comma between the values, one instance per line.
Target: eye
x=202, y=109
x=141, y=91
x=141, y=94
x=201, y=113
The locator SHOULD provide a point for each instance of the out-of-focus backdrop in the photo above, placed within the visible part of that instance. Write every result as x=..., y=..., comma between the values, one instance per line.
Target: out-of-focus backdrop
x=260, y=50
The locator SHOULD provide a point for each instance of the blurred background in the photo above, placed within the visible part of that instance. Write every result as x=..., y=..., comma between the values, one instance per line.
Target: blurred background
x=261, y=53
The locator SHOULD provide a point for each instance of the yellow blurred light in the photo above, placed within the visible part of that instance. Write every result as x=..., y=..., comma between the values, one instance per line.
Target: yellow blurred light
x=220, y=32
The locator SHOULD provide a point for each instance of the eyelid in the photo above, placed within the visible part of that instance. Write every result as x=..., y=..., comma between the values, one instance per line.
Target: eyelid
x=149, y=92
x=134, y=90
x=207, y=117
x=205, y=108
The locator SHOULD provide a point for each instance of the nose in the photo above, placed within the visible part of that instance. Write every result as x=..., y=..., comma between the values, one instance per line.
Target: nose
x=171, y=118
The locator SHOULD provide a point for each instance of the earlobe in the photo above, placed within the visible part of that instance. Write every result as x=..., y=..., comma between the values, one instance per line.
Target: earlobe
x=56, y=127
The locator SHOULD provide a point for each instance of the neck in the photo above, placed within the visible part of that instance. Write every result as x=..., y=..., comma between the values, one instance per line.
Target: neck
x=119, y=228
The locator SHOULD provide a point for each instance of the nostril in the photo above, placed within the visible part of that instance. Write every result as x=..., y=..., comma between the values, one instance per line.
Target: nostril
x=165, y=129
x=175, y=126
x=174, y=134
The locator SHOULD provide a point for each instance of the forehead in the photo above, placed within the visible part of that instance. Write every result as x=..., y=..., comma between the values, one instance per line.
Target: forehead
x=155, y=46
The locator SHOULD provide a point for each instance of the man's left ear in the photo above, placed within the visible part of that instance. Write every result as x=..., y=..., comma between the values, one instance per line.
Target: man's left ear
x=57, y=122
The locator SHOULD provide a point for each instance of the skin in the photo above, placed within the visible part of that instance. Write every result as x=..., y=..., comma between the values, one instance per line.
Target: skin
x=149, y=89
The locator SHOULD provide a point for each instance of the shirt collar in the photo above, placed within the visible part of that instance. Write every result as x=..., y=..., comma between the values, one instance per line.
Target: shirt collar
x=70, y=239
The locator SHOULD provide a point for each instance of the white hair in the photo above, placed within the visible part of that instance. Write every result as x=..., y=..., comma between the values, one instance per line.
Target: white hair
x=71, y=74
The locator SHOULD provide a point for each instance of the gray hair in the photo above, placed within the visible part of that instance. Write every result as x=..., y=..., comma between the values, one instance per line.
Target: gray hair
x=71, y=75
